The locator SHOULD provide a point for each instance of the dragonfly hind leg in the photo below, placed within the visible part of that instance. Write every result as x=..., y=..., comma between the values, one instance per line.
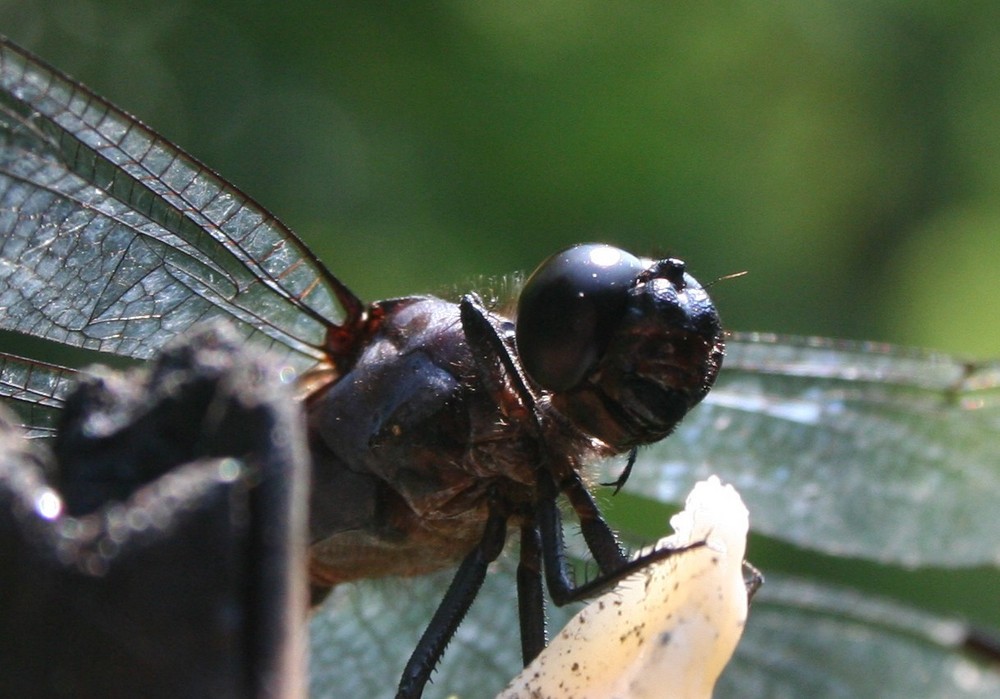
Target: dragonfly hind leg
x=457, y=600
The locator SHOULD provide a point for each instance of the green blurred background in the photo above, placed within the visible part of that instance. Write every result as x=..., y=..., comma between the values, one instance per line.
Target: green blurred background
x=845, y=154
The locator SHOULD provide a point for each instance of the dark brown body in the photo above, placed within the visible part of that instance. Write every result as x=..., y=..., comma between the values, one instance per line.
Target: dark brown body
x=431, y=415
x=406, y=445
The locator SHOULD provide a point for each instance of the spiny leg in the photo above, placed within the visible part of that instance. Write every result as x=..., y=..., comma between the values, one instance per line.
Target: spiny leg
x=601, y=541
x=457, y=600
x=530, y=595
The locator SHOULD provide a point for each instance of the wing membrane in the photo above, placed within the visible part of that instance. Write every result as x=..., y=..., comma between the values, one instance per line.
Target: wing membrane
x=114, y=240
x=853, y=449
x=804, y=638
x=36, y=391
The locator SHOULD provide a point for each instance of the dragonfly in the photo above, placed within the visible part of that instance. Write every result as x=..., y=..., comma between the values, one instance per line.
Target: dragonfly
x=116, y=241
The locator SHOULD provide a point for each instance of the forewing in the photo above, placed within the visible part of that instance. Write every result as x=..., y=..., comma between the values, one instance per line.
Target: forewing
x=112, y=239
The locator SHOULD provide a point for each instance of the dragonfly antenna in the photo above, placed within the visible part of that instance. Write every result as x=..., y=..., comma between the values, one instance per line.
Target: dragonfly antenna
x=727, y=277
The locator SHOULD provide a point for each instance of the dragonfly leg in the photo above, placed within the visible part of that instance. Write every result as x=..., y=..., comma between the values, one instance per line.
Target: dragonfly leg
x=601, y=540
x=487, y=340
x=530, y=596
x=619, y=482
x=457, y=600
x=490, y=342
x=753, y=579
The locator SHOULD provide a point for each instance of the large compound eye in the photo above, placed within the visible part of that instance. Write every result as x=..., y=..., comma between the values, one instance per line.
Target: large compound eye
x=569, y=309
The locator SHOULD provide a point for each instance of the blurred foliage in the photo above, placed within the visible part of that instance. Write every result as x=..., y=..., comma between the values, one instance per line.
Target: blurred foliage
x=846, y=154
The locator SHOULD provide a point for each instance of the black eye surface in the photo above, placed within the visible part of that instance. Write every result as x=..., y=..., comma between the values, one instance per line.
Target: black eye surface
x=569, y=309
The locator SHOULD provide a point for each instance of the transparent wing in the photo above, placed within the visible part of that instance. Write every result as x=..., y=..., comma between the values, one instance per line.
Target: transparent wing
x=850, y=449
x=804, y=637
x=36, y=391
x=361, y=638
x=114, y=240
x=810, y=638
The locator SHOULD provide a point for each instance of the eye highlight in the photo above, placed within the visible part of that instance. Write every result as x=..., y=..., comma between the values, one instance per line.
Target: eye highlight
x=569, y=309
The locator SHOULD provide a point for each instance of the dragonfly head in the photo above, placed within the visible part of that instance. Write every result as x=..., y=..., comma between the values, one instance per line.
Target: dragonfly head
x=624, y=345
